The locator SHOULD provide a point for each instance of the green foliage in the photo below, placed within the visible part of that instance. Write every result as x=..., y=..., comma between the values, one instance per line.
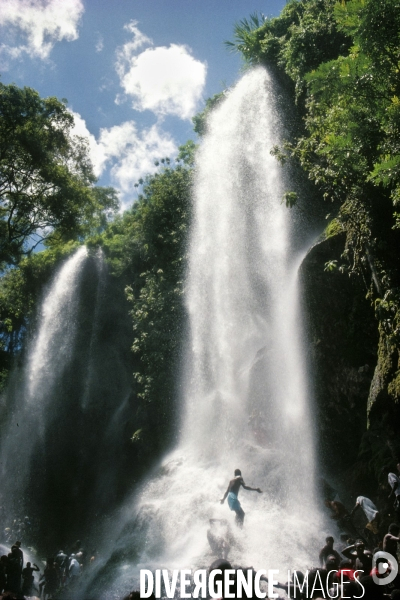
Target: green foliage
x=300, y=39
x=248, y=34
x=313, y=40
x=289, y=199
x=20, y=291
x=330, y=266
x=200, y=120
x=279, y=154
x=387, y=310
x=46, y=178
x=187, y=153
x=137, y=436
x=333, y=228
x=146, y=247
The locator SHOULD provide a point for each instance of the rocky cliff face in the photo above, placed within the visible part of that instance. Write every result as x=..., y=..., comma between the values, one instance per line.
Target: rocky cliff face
x=383, y=445
x=343, y=340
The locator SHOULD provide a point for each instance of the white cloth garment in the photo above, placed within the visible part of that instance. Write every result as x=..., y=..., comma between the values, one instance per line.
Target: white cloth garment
x=368, y=507
x=393, y=480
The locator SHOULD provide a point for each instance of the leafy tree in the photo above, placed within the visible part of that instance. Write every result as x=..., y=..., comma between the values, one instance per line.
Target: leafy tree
x=200, y=120
x=303, y=36
x=46, y=178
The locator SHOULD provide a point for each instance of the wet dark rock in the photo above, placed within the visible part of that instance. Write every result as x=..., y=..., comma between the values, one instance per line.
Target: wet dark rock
x=343, y=338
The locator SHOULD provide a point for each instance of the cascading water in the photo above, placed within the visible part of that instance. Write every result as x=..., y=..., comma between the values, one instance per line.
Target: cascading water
x=91, y=368
x=65, y=453
x=246, y=399
x=52, y=346
x=48, y=355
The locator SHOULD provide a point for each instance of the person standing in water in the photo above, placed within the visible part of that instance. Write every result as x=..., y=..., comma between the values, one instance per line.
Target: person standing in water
x=232, y=493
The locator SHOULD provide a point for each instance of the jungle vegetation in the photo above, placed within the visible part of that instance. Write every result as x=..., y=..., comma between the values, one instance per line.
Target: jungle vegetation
x=146, y=251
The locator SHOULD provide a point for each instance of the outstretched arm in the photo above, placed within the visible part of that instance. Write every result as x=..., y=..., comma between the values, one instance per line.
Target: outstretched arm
x=250, y=489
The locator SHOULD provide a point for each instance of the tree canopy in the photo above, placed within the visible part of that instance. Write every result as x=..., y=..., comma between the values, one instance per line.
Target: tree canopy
x=47, y=187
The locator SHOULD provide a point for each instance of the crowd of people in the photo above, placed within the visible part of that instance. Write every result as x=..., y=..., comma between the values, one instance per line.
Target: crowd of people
x=56, y=578
x=362, y=564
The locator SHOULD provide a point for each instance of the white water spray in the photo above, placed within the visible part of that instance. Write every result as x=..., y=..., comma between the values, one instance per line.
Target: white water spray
x=246, y=399
x=51, y=348
x=48, y=355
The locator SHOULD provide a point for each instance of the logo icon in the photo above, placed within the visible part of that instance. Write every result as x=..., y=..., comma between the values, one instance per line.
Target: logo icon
x=384, y=568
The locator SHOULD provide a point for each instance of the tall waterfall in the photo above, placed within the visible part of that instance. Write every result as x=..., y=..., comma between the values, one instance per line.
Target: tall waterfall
x=246, y=402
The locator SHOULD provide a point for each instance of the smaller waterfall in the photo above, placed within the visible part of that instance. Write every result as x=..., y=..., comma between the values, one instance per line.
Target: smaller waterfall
x=51, y=348
x=65, y=455
x=48, y=355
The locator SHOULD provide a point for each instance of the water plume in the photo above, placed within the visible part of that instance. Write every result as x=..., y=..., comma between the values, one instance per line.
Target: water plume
x=247, y=398
x=48, y=355
x=64, y=453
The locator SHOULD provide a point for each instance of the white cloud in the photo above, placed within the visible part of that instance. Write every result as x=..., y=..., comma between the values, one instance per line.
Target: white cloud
x=131, y=154
x=8, y=54
x=165, y=80
x=128, y=153
x=42, y=23
x=139, y=39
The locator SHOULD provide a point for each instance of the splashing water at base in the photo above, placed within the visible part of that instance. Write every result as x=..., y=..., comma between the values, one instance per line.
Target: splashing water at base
x=246, y=400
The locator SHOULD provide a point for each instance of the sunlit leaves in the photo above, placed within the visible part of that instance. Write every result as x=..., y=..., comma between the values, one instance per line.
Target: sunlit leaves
x=46, y=178
x=290, y=199
x=248, y=33
x=200, y=120
x=331, y=265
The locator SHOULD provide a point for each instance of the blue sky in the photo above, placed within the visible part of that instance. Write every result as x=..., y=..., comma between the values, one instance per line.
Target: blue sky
x=134, y=72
